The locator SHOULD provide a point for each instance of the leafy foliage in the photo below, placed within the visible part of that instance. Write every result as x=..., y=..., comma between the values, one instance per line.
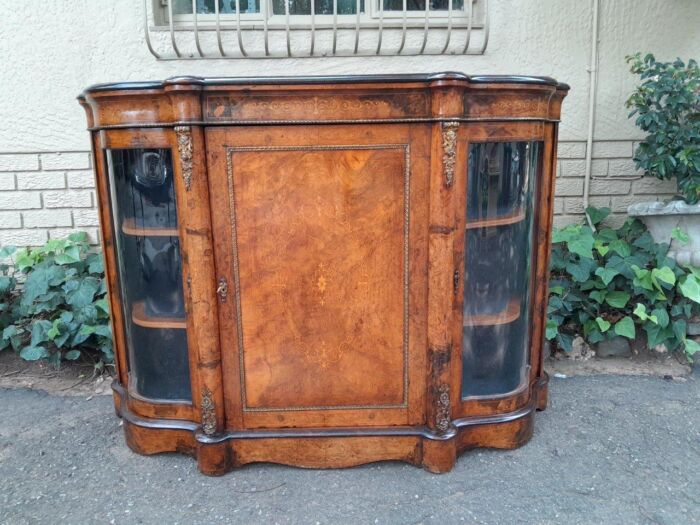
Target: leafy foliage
x=53, y=301
x=618, y=282
x=667, y=105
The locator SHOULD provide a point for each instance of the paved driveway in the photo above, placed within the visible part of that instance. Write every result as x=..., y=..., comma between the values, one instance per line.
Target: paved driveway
x=619, y=450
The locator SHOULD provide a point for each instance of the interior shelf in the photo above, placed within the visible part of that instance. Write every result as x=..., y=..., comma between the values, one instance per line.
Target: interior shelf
x=507, y=315
x=511, y=218
x=139, y=317
x=129, y=227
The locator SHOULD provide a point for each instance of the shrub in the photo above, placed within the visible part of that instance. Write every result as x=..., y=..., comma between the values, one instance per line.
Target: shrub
x=618, y=282
x=667, y=105
x=53, y=302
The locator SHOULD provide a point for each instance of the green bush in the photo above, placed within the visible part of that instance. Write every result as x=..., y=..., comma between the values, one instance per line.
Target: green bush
x=53, y=302
x=667, y=105
x=618, y=282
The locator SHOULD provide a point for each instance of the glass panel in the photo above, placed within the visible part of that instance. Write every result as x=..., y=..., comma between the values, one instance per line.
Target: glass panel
x=498, y=257
x=150, y=273
x=321, y=7
x=206, y=7
x=419, y=5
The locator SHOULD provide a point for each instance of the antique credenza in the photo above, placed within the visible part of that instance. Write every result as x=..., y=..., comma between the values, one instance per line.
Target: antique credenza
x=327, y=271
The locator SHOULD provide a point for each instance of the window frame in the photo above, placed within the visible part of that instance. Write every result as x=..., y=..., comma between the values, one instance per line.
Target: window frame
x=369, y=19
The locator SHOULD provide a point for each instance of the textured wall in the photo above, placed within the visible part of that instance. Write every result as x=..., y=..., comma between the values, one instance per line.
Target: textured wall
x=52, y=50
x=46, y=195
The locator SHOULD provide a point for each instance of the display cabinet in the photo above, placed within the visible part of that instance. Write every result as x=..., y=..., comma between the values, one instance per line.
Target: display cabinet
x=327, y=271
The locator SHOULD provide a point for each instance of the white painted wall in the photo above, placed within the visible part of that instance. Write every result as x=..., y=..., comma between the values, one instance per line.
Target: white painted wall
x=50, y=51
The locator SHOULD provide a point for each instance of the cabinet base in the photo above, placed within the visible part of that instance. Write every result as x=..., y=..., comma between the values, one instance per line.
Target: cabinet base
x=331, y=447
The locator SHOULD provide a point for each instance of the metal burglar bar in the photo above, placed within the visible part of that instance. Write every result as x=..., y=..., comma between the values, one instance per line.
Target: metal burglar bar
x=206, y=29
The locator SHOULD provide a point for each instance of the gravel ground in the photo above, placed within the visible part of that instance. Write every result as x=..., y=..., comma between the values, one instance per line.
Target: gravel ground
x=619, y=450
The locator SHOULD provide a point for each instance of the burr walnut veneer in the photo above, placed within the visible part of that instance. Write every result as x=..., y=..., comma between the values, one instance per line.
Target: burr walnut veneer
x=327, y=271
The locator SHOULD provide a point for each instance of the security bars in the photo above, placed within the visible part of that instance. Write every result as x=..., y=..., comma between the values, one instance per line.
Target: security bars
x=227, y=29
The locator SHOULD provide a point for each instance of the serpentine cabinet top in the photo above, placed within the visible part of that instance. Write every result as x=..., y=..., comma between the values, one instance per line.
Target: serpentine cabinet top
x=322, y=99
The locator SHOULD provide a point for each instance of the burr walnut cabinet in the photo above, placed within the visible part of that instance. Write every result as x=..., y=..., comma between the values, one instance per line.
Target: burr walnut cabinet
x=327, y=271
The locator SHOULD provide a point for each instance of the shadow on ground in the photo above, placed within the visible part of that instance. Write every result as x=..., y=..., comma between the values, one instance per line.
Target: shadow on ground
x=608, y=450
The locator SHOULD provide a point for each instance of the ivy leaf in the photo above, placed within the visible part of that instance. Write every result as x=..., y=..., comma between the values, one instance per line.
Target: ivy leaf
x=691, y=347
x=661, y=316
x=84, y=293
x=7, y=251
x=602, y=324
x=23, y=260
x=96, y=264
x=33, y=353
x=40, y=329
x=617, y=299
x=552, y=330
x=54, y=331
x=103, y=305
x=679, y=328
x=65, y=258
x=641, y=311
x=72, y=355
x=642, y=278
x=39, y=281
x=606, y=235
x=565, y=342
x=595, y=336
x=7, y=283
x=679, y=235
x=579, y=272
x=78, y=237
x=657, y=335
x=621, y=248
x=625, y=327
x=665, y=275
x=601, y=248
x=597, y=215
x=582, y=246
x=598, y=295
x=606, y=274
x=690, y=288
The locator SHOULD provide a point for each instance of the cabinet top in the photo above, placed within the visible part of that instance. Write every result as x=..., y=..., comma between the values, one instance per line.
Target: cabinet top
x=328, y=79
x=322, y=99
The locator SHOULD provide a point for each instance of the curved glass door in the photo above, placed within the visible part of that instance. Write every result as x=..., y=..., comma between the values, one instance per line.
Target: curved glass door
x=498, y=259
x=150, y=272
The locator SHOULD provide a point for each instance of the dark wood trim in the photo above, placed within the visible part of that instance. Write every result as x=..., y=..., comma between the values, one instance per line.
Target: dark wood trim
x=226, y=123
x=325, y=79
x=419, y=445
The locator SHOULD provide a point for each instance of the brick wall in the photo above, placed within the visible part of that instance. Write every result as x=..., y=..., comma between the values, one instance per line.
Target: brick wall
x=48, y=195
x=45, y=196
x=615, y=183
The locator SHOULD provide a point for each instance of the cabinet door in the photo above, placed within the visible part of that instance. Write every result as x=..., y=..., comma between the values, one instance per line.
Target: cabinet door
x=321, y=241
x=498, y=266
x=149, y=271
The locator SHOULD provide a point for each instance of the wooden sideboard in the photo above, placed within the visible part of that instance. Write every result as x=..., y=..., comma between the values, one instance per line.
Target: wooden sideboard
x=327, y=271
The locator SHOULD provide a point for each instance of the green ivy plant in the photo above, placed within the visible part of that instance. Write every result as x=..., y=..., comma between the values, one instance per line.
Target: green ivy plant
x=618, y=282
x=53, y=301
x=667, y=106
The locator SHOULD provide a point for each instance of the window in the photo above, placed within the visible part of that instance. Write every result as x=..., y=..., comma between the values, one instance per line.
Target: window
x=303, y=7
x=278, y=28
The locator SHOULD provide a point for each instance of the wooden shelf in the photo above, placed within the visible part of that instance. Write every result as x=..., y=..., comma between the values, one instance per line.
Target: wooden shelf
x=139, y=317
x=129, y=227
x=508, y=315
x=503, y=220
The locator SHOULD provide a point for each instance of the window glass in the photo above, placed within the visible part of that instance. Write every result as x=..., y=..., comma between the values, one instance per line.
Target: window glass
x=321, y=7
x=419, y=5
x=498, y=263
x=205, y=7
x=150, y=271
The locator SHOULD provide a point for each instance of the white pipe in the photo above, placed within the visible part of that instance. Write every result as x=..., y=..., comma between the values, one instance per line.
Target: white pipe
x=592, y=89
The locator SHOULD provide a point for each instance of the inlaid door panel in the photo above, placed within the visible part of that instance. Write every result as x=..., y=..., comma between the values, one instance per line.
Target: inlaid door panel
x=323, y=253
